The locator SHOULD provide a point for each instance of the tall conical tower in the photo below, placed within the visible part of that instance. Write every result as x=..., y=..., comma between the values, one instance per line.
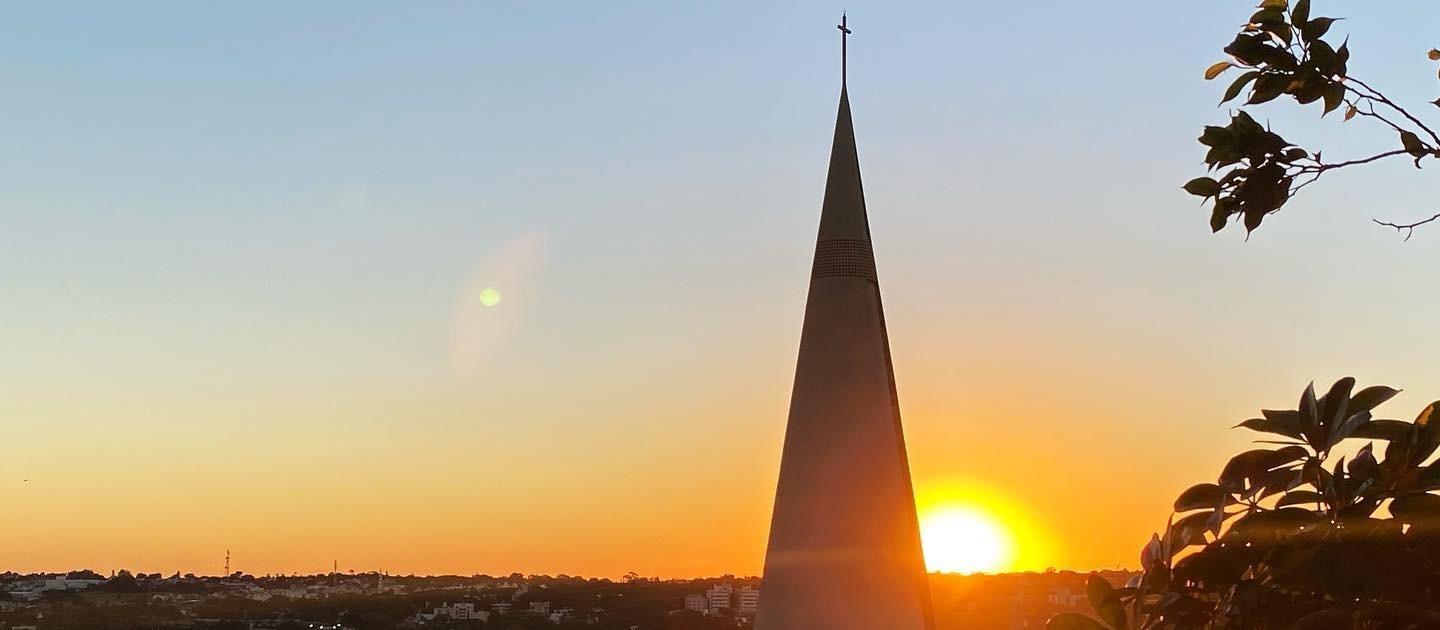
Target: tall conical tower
x=844, y=542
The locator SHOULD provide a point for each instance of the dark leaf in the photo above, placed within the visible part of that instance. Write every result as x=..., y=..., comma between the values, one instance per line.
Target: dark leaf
x=1249, y=48
x=1345, y=429
x=1429, y=478
x=1268, y=14
x=1202, y=187
x=1106, y=602
x=1239, y=84
x=1266, y=425
x=1334, y=97
x=1308, y=91
x=1191, y=529
x=1412, y=143
x=1278, y=481
x=1268, y=87
x=1371, y=397
x=1324, y=59
x=1427, y=433
x=1215, y=136
x=1300, y=14
x=1390, y=430
x=1200, y=497
x=1364, y=466
x=1244, y=123
x=1273, y=524
x=1297, y=497
x=1310, y=416
x=1073, y=621
x=1286, y=455
x=1219, y=216
x=1288, y=419
x=1399, y=453
x=1316, y=28
x=1416, y=508
x=1336, y=403
x=1254, y=464
x=1252, y=218
x=1279, y=29
x=1153, y=552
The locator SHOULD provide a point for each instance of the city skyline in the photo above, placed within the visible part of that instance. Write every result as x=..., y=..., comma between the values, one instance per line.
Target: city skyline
x=469, y=291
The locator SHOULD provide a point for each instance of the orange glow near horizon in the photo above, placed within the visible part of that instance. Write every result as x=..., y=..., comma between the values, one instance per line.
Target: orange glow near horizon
x=970, y=528
x=966, y=539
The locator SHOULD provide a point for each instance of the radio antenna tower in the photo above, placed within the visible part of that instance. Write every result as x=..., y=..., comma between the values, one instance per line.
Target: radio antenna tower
x=227, y=563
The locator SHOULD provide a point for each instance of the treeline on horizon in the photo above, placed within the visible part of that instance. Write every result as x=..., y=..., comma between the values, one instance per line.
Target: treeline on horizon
x=1117, y=576
x=129, y=601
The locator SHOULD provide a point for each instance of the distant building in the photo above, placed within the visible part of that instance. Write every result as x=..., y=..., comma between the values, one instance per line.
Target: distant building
x=698, y=603
x=720, y=596
x=747, y=600
x=466, y=610
x=1063, y=596
x=594, y=616
x=462, y=610
x=540, y=608
x=68, y=584
x=500, y=607
x=25, y=594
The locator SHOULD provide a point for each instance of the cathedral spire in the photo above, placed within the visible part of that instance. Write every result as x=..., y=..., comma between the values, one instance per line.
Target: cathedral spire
x=844, y=550
x=842, y=214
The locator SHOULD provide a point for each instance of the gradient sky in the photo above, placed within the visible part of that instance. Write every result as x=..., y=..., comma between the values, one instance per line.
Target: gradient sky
x=240, y=249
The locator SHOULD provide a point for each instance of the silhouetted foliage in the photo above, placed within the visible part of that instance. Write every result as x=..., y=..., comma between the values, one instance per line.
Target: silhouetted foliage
x=1283, y=51
x=84, y=574
x=1296, y=536
x=123, y=582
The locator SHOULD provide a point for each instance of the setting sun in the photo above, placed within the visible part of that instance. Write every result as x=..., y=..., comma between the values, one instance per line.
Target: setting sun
x=966, y=539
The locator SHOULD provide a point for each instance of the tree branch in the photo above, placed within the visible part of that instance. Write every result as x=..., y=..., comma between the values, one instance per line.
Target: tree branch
x=1319, y=168
x=1370, y=102
x=1326, y=167
x=1407, y=228
x=1381, y=97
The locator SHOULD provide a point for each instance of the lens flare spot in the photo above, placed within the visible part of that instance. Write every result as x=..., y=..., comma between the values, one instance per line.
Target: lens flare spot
x=481, y=327
x=489, y=296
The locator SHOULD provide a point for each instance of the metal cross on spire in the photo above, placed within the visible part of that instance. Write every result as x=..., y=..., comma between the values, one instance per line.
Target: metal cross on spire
x=844, y=38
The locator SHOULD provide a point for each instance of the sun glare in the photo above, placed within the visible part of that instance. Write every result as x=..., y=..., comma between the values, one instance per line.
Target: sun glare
x=965, y=539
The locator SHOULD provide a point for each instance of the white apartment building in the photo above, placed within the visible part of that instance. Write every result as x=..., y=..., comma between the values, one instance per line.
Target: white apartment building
x=466, y=610
x=462, y=610
x=720, y=596
x=747, y=600
x=698, y=603
x=68, y=584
